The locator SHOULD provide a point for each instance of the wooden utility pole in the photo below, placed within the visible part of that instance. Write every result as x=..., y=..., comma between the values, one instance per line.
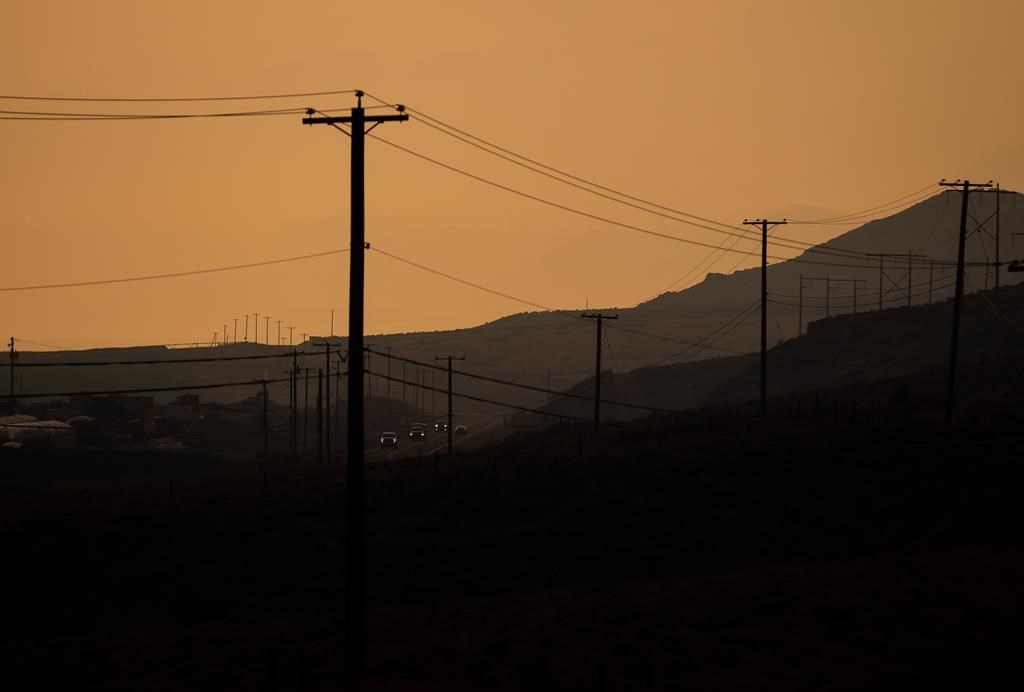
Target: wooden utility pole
x=327, y=399
x=266, y=335
x=305, y=410
x=266, y=422
x=449, y=358
x=599, y=319
x=998, y=192
x=13, y=355
x=320, y=417
x=763, y=223
x=800, y=308
x=294, y=379
x=355, y=635
x=966, y=186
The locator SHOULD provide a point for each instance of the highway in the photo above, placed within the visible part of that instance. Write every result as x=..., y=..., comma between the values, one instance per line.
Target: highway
x=486, y=430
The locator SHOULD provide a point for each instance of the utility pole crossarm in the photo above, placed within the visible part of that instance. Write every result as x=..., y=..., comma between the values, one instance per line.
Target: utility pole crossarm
x=334, y=120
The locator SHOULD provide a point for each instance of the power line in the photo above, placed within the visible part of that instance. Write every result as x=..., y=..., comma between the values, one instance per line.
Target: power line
x=150, y=277
x=596, y=217
x=212, y=359
x=562, y=313
x=674, y=215
x=940, y=287
x=179, y=99
x=992, y=307
x=864, y=212
x=144, y=390
x=561, y=176
x=540, y=412
x=437, y=272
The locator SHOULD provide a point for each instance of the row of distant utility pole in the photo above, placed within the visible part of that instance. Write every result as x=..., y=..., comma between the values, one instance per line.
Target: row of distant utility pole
x=966, y=188
x=220, y=337
x=323, y=403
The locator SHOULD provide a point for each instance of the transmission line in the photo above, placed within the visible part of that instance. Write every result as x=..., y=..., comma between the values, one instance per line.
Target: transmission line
x=151, y=277
x=593, y=187
x=212, y=359
x=144, y=390
x=178, y=99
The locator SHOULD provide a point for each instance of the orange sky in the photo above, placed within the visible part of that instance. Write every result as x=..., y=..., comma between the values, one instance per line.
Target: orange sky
x=725, y=109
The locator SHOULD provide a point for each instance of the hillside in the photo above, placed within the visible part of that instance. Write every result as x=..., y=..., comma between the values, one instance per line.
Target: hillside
x=805, y=553
x=835, y=352
x=533, y=347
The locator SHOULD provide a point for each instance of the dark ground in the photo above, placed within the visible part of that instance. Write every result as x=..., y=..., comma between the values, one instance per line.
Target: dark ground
x=808, y=554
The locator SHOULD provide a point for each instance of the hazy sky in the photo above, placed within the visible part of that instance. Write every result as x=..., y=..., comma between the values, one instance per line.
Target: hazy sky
x=727, y=109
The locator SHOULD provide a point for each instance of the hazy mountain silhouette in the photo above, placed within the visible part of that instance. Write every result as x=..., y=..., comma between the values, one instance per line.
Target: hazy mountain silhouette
x=526, y=347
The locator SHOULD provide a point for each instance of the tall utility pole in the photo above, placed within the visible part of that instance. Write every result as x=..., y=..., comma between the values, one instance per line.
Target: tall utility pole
x=355, y=635
x=998, y=192
x=246, y=327
x=389, y=372
x=320, y=417
x=295, y=402
x=327, y=399
x=305, y=410
x=266, y=335
x=225, y=335
x=234, y=335
x=599, y=318
x=881, y=273
x=278, y=342
x=256, y=328
x=763, y=223
x=12, y=355
x=266, y=424
x=291, y=333
x=966, y=186
x=449, y=358
x=800, y=308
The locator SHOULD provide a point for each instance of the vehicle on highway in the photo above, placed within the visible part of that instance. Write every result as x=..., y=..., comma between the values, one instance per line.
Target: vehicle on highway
x=461, y=430
x=389, y=439
x=417, y=431
x=440, y=426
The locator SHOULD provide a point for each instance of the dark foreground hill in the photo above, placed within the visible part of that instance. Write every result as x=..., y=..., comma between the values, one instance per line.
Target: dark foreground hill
x=811, y=551
x=850, y=351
